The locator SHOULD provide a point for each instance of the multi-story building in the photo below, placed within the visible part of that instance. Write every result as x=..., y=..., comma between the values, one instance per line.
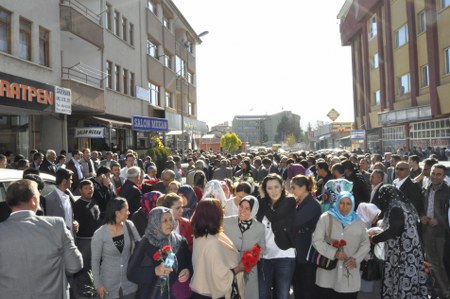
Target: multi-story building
x=260, y=129
x=126, y=68
x=401, y=71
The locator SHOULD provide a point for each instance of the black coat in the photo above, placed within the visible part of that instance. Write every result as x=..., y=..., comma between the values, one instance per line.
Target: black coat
x=306, y=216
x=281, y=216
x=48, y=167
x=413, y=193
x=131, y=192
x=141, y=268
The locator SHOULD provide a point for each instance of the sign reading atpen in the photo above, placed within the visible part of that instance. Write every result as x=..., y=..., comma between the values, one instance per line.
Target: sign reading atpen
x=141, y=123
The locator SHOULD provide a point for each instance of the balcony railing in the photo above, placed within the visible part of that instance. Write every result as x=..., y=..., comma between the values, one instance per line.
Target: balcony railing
x=84, y=74
x=83, y=9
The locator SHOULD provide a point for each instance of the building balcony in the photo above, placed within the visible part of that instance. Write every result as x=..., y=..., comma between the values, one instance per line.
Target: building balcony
x=81, y=21
x=404, y=115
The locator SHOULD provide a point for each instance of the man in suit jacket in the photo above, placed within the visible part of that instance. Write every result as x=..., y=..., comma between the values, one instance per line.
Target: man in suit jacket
x=223, y=171
x=48, y=166
x=376, y=180
x=412, y=191
x=36, y=251
x=60, y=201
x=75, y=166
x=130, y=189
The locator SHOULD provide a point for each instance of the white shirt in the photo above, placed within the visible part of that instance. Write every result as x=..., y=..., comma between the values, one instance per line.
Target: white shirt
x=68, y=213
x=374, y=189
x=123, y=173
x=77, y=165
x=398, y=183
x=272, y=250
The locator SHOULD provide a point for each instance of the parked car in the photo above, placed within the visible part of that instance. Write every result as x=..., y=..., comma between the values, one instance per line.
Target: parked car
x=9, y=176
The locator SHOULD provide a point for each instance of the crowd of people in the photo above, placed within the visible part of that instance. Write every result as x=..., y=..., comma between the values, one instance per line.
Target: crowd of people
x=227, y=226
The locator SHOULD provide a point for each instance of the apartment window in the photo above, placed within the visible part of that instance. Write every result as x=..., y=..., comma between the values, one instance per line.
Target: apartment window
x=375, y=61
x=447, y=60
x=377, y=97
x=116, y=23
x=180, y=66
x=25, y=39
x=169, y=100
x=445, y=3
x=424, y=72
x=190, y=77
x=166, y=22
x=117, y=72
x=189, y=46
x=151, y=6
x=152, y=49
x=167, y=61
x=421, y=22
x=401, y=36
x=5, y=31
x=190, y=108
x=131, y=28
x=154, y=94
x=373, y=27
x=108, y=16
x=109, y=74
x=404, y=86
x=44, y=46
x=124, y=29
x=132, y=84
x=125, y=81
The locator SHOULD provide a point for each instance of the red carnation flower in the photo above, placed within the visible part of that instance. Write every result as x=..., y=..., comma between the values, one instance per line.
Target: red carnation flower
x=336, y=243
x=256, y=249
x=342, y=243
x=157, y=255
x=166, y=249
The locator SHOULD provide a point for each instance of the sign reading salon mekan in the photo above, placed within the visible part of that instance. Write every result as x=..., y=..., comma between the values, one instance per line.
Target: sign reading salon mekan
x=91, y=132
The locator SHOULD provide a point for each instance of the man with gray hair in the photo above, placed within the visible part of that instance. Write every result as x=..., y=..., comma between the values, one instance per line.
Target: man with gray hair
x=199, y=165
x=130, y=189
x=48, y=166
x=223, y=171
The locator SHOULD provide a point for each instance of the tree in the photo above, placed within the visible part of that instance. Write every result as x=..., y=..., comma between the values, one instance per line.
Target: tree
x=158, y=152
x=288, y=126
x=290, y=140
x=230, y=142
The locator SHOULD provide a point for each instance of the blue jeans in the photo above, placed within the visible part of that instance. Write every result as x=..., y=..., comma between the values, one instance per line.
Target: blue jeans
x=276, y=273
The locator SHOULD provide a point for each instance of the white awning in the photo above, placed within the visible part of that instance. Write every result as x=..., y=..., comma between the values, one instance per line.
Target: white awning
x=174, y=133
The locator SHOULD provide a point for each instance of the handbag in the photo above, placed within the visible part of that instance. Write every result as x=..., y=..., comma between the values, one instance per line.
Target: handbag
x=318, y=259
x=371, y=269
x=133, y=241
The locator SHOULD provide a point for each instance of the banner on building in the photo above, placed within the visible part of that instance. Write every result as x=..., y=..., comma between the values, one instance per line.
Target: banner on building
x=358, y=134
x=147, y=124
x=91, y=132
x=143, y=94
x=63, y=100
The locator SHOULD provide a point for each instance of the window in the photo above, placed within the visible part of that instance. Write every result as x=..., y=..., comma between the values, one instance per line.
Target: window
x=125, y=81
x=190, y=108
x=401, y=36
x=116, y=23
x=421, y=22
x=447, y=60
x=375, y=62
x=132, y=84
x=44, y=46
x=180, y=67
x=124, y=29
x=117, y=72
x=166, y=22
x=169, y=100
x=373, y=27
x=445, y=3
x=108, y=16
x=151, y=6
x=109, y=74
x=403, y=85
x=167, y=61
x=424, y=73
x=131, y=27
x=154, y=94
x=25, y=39
x=377, y=97
x=5, y=31
x=152, y=49
x=190, y=77
x=189, y=46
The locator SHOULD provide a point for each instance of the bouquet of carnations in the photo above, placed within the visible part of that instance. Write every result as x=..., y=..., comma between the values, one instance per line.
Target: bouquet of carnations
x=165, y=255
x=251, y=257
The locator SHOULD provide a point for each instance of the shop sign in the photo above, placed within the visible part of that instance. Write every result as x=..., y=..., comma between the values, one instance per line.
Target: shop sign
x=342, y=127
x=63, y=100
x=143, y=94
x=91, y=132
x=431, y=142
x=358, y=135
x=141, y=123
x=27, y=94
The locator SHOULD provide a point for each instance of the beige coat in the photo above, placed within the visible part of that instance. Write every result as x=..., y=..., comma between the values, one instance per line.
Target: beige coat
x=213, y=257
x=357, y=247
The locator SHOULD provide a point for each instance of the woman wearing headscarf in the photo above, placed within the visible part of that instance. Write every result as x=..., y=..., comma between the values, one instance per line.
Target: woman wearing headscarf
x=403, y=271
x=245, y=231
x=189, y=200
x=140, y=217
x=307, y=214
x=368, y=212
x=213, y=189
x=344, y=281
x=150, y=272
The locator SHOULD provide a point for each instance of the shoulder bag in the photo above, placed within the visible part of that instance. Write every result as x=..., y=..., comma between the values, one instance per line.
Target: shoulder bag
x=318, y=259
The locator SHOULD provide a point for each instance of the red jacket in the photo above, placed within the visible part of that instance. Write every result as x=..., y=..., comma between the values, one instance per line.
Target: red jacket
x=186, y=231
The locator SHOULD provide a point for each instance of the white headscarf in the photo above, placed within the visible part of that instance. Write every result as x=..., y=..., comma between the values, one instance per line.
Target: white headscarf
x=213, y=189
x=367, y=212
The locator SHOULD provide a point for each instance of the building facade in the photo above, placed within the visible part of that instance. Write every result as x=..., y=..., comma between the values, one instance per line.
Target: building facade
x=401, y=71
x=116, y=60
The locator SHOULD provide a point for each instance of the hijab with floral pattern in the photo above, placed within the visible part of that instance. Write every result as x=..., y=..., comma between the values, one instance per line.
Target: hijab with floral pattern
x=154, y=234
x=148, y=201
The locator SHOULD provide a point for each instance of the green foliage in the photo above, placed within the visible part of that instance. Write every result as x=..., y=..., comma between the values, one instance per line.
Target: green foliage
x=230, y=142
x=158, y=152
x=290, y=140
x=288, y=126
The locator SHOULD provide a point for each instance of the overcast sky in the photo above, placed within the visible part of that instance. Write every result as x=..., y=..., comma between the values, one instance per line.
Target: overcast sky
x=262, y=57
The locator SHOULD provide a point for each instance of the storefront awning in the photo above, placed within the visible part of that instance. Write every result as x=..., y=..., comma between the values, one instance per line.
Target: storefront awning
x=112, y=123
x=173, y=133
